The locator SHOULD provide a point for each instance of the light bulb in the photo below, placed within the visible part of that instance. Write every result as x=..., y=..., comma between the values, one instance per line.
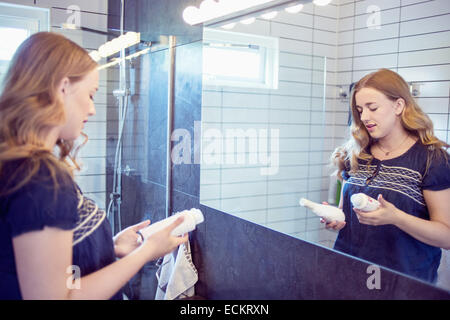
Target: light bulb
x=132, y=37
x=191, y=15
x=115, y=45
x=95, y=55
x=322, y=2
x=211, y=9
x=248, y=20
x=294, y=9
x=269, y=15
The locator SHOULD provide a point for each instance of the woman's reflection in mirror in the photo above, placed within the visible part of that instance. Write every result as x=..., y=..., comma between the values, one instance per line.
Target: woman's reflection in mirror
x=394, y=156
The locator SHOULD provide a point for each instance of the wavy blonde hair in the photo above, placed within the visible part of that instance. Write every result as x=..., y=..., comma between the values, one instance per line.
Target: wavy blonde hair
x=413, y=119
x=30, y=107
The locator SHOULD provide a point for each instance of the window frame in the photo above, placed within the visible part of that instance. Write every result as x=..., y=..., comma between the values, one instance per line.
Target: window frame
x=267, y=47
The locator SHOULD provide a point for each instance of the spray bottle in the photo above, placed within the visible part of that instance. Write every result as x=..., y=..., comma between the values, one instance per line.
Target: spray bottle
x=329, y=213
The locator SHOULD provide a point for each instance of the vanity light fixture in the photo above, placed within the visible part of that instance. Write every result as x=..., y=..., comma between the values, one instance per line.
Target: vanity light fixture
x=69, y=26
x=211, y=9
x=229, y=26
x=248, y=20
x=322, y=2
x=117, y=60
x=269, y=15
x=111, y=47
x=294, y=9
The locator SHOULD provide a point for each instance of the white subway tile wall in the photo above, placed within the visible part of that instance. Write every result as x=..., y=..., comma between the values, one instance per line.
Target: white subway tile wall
x=93, y=15
x=297, y=110
x=412, y=39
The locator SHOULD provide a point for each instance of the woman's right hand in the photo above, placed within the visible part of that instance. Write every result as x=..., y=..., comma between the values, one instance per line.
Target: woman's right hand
x=332, y=225
x=162, y=242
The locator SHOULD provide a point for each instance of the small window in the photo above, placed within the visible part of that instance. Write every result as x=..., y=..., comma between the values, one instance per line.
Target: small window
x=12, y=38
x=16, y=24
x=239, y=59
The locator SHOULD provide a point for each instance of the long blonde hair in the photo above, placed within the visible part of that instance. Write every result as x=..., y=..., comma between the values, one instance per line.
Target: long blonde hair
x=30, y=107
x=413, y=119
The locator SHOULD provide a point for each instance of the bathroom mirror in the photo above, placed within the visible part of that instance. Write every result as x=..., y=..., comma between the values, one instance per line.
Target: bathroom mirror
x=275, y=100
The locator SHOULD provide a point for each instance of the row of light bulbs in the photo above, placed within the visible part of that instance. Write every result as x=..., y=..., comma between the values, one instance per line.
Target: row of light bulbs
x=112, y=47
x=213, y=9
x=268, y=16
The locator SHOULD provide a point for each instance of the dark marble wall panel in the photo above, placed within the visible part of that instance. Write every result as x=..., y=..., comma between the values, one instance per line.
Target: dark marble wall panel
x=237, y=259
x=344, y=277
x=187, y=116
x=241, y=260
x=141, y=201
x=157, y=115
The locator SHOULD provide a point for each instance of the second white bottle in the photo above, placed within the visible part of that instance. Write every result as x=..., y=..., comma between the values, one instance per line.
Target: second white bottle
x=191, y=219
x=364, y=203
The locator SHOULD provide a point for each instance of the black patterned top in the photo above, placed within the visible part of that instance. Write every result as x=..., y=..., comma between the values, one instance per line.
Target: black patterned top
x=401, y=181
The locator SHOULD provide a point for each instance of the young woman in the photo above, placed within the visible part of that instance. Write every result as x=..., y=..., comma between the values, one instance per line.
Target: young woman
x=48, y=229
x=394, y=156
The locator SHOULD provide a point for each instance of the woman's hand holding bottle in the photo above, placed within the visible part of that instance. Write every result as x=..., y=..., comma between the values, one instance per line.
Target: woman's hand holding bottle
x=162, y=242
x=333, y=225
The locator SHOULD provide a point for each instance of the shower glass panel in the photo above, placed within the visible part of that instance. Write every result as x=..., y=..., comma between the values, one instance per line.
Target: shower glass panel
x=140, y=171
x=143, y=136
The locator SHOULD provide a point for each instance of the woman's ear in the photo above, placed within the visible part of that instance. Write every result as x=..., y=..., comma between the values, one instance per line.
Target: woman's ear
x=399, y=106
x=63, y=86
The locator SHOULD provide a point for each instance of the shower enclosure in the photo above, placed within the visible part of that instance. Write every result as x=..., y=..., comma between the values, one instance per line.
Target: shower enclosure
x=136, y=148
x=140, y=120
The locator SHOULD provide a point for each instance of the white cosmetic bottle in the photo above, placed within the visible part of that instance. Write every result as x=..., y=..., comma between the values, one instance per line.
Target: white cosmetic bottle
x=364, y=203
x=192, y=217
x=327, y=212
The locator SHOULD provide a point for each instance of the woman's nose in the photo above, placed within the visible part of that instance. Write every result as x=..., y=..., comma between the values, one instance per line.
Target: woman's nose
x=364, y=115
x=92, y=110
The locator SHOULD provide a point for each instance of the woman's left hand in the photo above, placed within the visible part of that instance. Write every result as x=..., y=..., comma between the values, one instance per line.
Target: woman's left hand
x=128, y=239
x=385, y=214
